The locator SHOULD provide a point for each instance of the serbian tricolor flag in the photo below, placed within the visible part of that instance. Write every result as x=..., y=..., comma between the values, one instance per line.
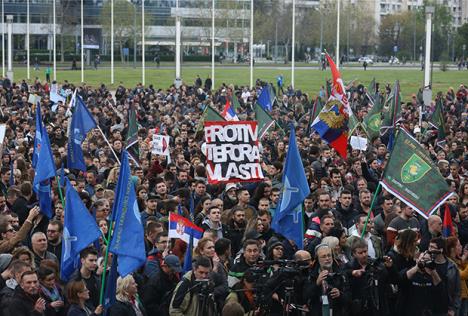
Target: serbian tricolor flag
x=332, y=122
x=182, y=228
x=447, y=225
x=229, y=114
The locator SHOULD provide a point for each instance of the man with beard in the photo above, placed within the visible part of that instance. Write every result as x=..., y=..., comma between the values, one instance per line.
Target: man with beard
x=229, y=196
x=345, y=211
x=182, y=180
x=236, y=228
x=365, y=202
x=336, y=181
x=327, y=289
x=26, y=301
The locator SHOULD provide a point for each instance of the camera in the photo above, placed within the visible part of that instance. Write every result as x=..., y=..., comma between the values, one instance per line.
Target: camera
x=204, y=286
x=428, y=263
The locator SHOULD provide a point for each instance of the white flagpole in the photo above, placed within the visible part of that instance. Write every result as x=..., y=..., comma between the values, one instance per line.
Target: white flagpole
x=82, y=43
x=337, y=57
x=3, y=39
x=293, y=46
x=112, y=41
x=55, y=40
x=27, y=41
x=213, y=44
x=143, y=42
x=251, y=42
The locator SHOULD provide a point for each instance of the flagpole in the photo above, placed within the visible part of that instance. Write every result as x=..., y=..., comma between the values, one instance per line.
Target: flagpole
x=293, y=46
x=213, y=44
x=55, y=40
x=108, y=144
x=27, y=41
x=251, y=42
x=338, y=36
x=106, y=259
x=112, y=41
x=60, y=192
x=82, y=43
x=143, y=42
x=370, y=210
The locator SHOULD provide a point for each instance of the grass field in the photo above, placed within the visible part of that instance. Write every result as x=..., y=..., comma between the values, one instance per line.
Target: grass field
x=308, y=80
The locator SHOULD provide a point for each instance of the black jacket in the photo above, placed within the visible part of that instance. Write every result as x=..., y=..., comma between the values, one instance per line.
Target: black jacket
x=312, y=293
x=125, y=309
x=158, y=293
x=22, y=304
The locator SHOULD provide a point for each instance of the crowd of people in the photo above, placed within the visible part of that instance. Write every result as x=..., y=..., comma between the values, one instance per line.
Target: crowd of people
x=392, y=262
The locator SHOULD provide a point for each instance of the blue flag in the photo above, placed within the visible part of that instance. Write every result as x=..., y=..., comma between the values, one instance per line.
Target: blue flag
x=82, y=122
x=287, y=219
x=37, y=136
x=111, y=286
x=44, y=170
x=128, y=236
x=265, y=99
x=79, y=231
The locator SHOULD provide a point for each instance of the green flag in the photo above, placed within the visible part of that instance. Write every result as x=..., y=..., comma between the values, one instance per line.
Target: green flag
x=132, y=136
x=317, y=108
x=209, y=114
x=391, y=116
x=437, y=120
x=373, y=120
x=412, y=176
x=265, y=121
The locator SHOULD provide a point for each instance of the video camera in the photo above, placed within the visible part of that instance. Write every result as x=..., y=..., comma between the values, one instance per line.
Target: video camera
x=428, y=263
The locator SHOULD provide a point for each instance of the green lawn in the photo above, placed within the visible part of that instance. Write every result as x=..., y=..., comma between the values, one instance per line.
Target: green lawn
x=308, y=80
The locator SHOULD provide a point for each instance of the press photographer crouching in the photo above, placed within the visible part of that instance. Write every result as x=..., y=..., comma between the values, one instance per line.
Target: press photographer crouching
x=327, y=290
x=194, y=294
x=432, y=286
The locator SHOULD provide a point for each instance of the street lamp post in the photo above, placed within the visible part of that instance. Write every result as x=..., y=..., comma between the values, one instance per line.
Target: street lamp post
x=427, y=69
x=10, y=47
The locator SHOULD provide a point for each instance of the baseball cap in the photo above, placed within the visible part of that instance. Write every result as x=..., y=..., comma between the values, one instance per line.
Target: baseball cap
x=98, y=187
x=173, y=262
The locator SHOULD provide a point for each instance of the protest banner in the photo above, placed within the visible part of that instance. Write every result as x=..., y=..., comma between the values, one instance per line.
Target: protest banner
x=232, y=152
x=161, y=145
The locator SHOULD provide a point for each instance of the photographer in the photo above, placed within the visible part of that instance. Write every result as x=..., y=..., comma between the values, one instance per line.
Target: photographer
x=327, y=289
x=186, y=298
x=247, y=259
x=243, y=293
x=422, y=289
x=368, y=281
